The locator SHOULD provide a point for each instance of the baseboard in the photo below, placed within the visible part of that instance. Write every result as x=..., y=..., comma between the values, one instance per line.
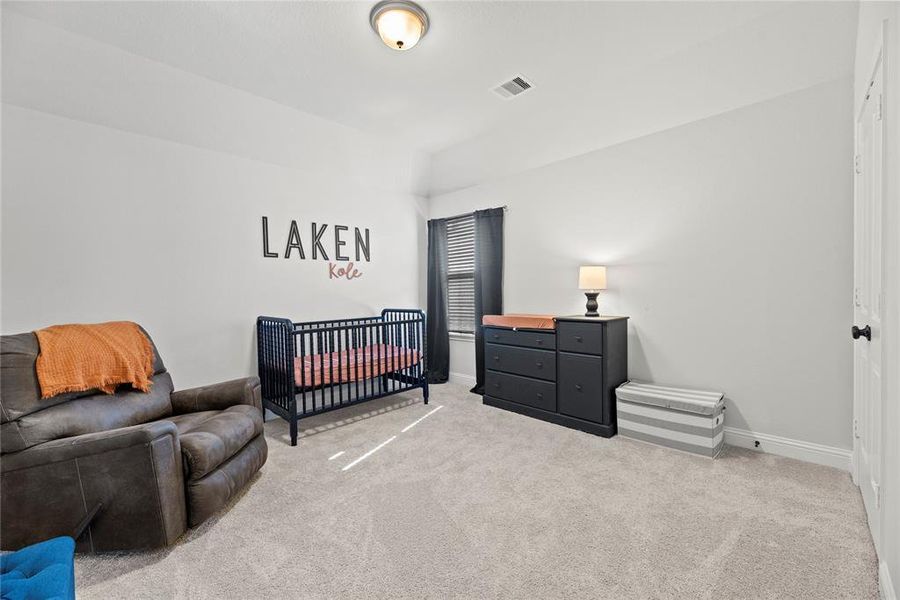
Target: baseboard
x=462, y=379
x=885, y=585
x=806, y=451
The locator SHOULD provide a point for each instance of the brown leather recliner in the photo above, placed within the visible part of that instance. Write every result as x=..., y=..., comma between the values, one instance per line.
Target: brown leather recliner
x=154, y=462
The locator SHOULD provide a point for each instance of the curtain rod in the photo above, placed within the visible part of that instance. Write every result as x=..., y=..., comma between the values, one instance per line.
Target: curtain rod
x=466, y=214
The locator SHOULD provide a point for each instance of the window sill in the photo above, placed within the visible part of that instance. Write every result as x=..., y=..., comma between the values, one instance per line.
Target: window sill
x=462, y=337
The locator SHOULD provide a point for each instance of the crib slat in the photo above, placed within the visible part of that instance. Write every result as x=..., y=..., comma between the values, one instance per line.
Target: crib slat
x=392, y=381
x=347, y=347
x=367, y=364
x=331, y=358
x=303, y=383
x=382, y=365
x=357, y=366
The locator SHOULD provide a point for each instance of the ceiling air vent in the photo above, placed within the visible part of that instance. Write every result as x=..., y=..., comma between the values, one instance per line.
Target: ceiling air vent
x=515, y=86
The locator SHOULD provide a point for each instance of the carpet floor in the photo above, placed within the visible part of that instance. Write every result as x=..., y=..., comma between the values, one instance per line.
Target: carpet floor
x=476, y=502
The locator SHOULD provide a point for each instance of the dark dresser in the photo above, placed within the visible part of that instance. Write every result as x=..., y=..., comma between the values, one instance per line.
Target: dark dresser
x=566, y=376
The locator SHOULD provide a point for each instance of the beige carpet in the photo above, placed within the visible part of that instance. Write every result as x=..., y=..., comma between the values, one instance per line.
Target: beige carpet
x=475, y=502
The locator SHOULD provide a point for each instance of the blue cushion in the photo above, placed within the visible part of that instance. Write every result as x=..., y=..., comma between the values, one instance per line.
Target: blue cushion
x=44, y=571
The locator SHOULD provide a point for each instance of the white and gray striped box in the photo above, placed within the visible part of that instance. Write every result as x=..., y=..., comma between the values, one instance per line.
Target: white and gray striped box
x=688, y=420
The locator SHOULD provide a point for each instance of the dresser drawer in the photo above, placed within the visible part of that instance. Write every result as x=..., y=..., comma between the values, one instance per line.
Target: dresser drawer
x=524, y=390
x=586, y=338
x=581, y=387
x=521, y=361
x=526, y=339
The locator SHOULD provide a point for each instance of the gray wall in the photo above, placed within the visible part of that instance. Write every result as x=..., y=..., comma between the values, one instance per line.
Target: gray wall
x=728, y=242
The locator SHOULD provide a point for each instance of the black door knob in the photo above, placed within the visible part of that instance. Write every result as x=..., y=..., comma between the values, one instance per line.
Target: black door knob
x=865, y=332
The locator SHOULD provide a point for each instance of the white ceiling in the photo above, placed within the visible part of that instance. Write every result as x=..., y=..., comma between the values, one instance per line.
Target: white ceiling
x=322, y=58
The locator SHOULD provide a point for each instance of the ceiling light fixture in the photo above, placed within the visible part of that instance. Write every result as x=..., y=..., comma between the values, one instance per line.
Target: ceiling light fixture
x=400, y=24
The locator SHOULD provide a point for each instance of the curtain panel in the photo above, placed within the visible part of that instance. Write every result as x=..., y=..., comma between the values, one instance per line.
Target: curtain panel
x=488, y=280
x=437, y=350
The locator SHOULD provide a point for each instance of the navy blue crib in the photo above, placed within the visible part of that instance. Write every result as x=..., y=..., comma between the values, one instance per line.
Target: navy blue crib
x=310, y=368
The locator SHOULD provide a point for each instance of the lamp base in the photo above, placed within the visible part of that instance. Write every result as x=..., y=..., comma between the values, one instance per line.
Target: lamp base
x=591, y=305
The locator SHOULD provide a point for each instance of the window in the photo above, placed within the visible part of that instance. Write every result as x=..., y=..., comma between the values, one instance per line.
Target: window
x=461, y=274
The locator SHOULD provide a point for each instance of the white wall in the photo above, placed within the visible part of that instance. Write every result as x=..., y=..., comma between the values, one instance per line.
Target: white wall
x=132, y=190
x=728, y=242
x=874, y=19
x=462, y=359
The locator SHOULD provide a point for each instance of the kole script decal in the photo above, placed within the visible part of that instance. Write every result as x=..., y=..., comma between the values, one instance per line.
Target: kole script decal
x=324, y=239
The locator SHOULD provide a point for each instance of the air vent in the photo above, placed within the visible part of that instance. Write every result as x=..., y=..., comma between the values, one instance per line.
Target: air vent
x=515, y=86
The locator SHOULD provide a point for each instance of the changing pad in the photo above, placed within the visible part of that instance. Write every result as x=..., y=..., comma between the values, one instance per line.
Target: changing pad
x=520, y=321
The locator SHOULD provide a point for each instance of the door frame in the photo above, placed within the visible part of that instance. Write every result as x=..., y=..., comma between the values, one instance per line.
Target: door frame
x=876, y=63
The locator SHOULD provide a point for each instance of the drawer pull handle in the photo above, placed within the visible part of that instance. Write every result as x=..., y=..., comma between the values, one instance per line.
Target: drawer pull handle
x=578, y=338
x=496, y=385
x=578, y=386
x=496, y=358
x=540, y=396
x=539, y=341
x=539, y=365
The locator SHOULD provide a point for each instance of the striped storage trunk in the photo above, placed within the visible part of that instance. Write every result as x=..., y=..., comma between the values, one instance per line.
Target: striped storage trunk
x=688, y=420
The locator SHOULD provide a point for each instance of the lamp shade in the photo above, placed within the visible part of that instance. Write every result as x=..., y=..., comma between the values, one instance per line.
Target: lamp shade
x=592, y=278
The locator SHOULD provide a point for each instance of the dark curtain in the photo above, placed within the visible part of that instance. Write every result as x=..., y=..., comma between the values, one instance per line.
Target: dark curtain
x=437, y=349
x=488, y=279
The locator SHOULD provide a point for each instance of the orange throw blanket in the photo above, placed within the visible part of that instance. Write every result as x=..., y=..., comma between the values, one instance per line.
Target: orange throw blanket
x=77, y=358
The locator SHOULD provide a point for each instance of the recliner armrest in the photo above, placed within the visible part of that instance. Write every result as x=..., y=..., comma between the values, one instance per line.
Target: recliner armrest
x=89, y=444
x=218, y=396
x=135, y=473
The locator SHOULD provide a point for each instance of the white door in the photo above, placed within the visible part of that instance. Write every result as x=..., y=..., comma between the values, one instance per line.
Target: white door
x=868, y=300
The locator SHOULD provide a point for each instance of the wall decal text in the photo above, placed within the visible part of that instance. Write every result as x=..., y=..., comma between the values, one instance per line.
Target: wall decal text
x=349, y=272
x=325, y=243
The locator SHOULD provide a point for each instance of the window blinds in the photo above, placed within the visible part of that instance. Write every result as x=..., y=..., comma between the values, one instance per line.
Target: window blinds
x=461, y=274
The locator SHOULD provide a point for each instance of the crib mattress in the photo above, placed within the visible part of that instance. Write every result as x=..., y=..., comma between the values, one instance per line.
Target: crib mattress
x=516, y=321
x=352, y=365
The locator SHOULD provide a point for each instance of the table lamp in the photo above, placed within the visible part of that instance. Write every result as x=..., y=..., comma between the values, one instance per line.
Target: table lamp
x=591, y=279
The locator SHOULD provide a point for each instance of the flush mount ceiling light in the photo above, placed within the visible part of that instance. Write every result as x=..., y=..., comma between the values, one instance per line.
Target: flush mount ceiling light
x=399, y=24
